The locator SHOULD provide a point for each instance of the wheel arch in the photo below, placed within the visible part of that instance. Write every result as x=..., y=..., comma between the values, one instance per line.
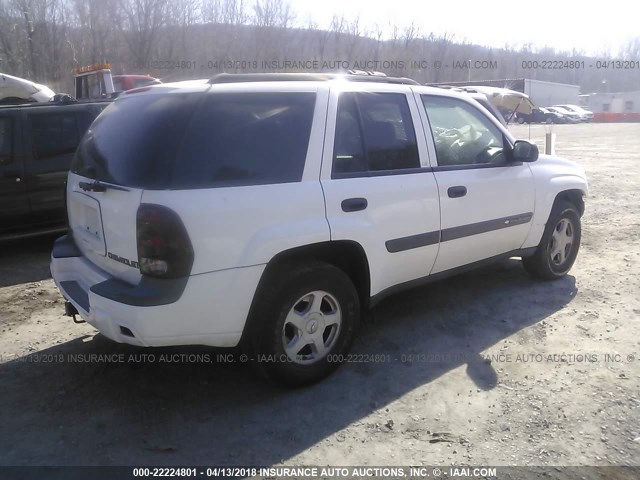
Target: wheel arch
x=574, y=196
x=349, y=256
x=570, y=188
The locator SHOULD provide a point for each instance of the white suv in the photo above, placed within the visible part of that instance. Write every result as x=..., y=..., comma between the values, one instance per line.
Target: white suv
x=270, y=210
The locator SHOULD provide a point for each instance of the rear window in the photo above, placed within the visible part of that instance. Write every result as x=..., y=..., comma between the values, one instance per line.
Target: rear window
x=134, y=141
x=158, y=142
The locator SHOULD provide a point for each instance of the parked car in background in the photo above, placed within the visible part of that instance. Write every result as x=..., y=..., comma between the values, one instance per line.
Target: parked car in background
x=16, y=90
x=585, y=115
x=557, y=117
x=270, y=210
x=540, y=115
x=37, y=143
x=569, y=116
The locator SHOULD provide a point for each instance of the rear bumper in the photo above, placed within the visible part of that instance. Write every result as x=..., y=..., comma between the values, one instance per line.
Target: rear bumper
x=206, y=309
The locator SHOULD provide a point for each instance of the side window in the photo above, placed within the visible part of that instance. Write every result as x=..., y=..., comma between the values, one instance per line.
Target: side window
x=239, y=139
x=374, y=132
x=348, y=148
x=54, y=134
x=462, y=134
x=84, y=120
x=6, y=141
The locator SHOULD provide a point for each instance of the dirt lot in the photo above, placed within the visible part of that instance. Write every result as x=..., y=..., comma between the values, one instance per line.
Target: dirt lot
x=562, y=386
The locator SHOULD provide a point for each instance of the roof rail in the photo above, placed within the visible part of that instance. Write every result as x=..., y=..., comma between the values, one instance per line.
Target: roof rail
x=351, y=75
x=455, y=88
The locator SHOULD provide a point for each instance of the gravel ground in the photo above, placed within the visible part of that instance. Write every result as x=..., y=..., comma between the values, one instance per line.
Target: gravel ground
x=487, y=368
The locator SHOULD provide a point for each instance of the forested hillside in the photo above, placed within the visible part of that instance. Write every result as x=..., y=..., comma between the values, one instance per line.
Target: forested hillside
x=180, y=39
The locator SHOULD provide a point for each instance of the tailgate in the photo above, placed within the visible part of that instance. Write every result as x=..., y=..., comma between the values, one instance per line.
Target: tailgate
x=103, y=224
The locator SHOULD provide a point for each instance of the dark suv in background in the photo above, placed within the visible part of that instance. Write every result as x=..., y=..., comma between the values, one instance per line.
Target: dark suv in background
x=540, y=115
x=37, y=143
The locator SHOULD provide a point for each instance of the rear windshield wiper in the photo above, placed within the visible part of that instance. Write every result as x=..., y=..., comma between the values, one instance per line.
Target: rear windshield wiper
x=97, y=186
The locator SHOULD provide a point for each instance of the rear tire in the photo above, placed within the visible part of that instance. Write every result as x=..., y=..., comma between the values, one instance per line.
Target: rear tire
x=559, y=245
x=304, y=321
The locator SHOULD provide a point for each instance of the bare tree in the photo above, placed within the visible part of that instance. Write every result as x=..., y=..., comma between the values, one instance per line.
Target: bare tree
x=410, y=33
x=273, y=13
x=631, y=51
x=8, y=29
x=182, y=15
x=272, y=19
x=43, y=39
x=353, y=32
x=26, y=9
x=139, y=23
x=93, y=22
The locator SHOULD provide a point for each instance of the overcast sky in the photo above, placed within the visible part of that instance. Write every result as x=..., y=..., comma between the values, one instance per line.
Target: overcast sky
x=589, y=26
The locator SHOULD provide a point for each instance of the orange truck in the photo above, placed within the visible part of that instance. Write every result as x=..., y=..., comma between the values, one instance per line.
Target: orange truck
x=96, y=81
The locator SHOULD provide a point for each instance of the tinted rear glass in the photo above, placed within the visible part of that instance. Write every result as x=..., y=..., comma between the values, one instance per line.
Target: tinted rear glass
x=133, y=142
x=245, y=139
x=158, y=142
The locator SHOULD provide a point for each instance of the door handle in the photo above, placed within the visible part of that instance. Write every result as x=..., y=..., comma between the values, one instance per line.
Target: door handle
x=457, y=191
x=15, y=176
x=354, y=204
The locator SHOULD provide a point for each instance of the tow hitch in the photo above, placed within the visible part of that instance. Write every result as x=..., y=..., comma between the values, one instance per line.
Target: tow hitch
x=71, y=311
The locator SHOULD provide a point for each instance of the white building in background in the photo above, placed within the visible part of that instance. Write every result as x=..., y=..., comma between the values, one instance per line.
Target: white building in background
x=546, y=94
x=615, y=102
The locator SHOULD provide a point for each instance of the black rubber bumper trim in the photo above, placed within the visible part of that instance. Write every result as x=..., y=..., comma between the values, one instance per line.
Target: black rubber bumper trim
x=150, y=292
x=462, y=231
x=413, y=241
x=430, y=238
x=65, y=247
x=76, y=293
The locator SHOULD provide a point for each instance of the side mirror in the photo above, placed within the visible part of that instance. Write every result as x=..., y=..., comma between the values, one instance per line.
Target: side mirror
x=524, y=151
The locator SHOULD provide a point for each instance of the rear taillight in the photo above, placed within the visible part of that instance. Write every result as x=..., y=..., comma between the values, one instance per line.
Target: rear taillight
x=164, y=248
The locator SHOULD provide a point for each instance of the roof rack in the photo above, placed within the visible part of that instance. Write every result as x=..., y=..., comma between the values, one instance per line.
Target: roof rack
x=351, y=75
x=455, y=88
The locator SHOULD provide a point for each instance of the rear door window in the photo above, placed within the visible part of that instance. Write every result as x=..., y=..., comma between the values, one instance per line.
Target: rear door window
x=54, y=134
x=245, y=139
x=374, y=133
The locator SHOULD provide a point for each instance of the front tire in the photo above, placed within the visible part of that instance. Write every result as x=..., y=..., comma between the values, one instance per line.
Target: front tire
x=305, y=321
x=559, y=245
